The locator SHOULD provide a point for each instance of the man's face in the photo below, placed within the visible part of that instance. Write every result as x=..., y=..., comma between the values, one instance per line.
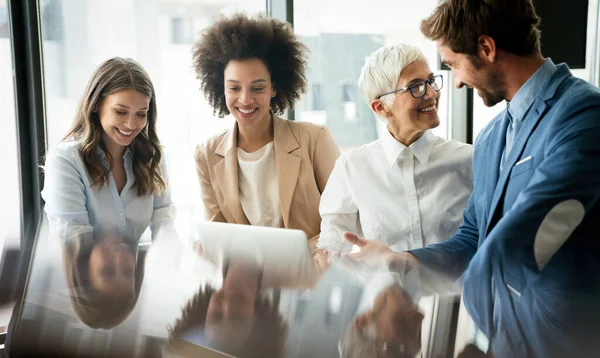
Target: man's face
x=472, y=71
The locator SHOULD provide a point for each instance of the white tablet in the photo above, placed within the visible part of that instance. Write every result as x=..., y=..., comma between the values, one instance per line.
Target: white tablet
x=284, y=253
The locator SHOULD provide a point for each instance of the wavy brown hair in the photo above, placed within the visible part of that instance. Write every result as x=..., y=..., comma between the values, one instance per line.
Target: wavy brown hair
x=114, y=75
x=93, y=308
x=241, y=37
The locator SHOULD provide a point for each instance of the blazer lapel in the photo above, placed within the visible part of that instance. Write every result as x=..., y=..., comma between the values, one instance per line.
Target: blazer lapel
x=226, y=172
x=288, y=165
x=498, y=144
x=533, y=116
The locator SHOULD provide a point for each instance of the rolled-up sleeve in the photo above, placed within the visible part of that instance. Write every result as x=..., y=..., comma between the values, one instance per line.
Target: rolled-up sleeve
x=65, y=196
x=338, y=210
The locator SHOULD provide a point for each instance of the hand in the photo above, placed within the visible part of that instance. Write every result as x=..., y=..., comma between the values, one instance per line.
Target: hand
x=321, y=260
x=371, y=254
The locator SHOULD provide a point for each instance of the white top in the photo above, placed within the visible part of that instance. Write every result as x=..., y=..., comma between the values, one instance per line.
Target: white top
x=75, y=207
x=259, y=189
x=406, y=197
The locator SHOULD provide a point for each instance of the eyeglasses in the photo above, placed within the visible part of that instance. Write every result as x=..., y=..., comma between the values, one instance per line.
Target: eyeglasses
x=419, y=89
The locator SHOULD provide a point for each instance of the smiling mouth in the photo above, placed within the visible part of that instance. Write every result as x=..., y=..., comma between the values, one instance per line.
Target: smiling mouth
x=427, y=109
x=125, y=133
x=247, y=111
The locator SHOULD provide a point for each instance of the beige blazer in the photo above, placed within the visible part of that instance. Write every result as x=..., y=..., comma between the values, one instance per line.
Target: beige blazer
x=305, y=154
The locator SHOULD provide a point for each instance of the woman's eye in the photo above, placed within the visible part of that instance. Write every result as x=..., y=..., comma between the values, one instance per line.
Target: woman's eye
x=141, y=115
x=120, y=113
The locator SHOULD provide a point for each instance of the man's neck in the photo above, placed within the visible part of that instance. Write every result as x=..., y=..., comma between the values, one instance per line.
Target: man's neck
x=518, y=69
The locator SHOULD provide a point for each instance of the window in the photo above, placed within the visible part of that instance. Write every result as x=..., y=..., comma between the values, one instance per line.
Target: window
x=317, y=97
x=181, y=31
x=349, y=102
x=10, y=212
x=482, y=115
x=158, y=34
x=338, y=49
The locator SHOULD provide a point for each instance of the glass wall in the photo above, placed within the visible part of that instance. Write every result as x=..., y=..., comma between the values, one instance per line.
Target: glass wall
x=80, y=34
x=339, y=41
x=10, y=210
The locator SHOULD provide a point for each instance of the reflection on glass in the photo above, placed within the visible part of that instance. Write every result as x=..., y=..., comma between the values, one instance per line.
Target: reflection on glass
x=238, y=319
x=104, y=277
x=391, y=328
x=239, y=313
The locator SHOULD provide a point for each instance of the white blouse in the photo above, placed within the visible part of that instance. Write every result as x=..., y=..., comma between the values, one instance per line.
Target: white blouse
x=406, y=197
x=74, y=207
x=258, y=186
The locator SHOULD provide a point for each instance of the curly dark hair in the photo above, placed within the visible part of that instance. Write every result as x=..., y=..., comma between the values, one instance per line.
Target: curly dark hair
x=267, y=335
x=241, y=37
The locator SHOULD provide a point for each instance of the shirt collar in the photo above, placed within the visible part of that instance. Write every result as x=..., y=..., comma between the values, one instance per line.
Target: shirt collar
x=421, y=147
x=100, y=152
x=525, y=96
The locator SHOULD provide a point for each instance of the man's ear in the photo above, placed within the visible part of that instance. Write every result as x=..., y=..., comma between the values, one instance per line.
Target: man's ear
x=486, y=48
x=380, y=108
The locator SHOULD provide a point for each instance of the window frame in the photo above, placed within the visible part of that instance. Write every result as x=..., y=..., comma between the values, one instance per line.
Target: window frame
x=25, y=39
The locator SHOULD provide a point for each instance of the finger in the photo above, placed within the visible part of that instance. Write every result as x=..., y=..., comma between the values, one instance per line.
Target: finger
x=334, y=254
x=198, y=248
x=355, y=240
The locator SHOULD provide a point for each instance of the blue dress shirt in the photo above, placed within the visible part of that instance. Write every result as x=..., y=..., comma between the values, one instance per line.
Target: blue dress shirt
x=517, y=108
x=74, y=207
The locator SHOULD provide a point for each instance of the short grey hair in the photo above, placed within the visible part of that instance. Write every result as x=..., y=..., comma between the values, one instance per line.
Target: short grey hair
x=382, y=69
x=357, y=343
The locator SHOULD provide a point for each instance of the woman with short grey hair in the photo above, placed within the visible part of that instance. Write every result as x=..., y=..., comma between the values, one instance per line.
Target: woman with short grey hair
x=409, y=188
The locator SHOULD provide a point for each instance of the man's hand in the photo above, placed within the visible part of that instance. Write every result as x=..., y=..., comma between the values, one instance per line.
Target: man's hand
x=373, y=254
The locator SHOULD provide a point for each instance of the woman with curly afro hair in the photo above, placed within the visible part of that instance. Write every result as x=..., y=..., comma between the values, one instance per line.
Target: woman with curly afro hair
x=264, y=170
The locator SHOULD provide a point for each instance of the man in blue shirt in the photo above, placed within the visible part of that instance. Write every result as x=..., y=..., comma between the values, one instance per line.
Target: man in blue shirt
x=528, y=250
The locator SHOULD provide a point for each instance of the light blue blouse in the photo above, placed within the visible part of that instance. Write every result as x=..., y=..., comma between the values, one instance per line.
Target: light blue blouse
x=74, y=207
